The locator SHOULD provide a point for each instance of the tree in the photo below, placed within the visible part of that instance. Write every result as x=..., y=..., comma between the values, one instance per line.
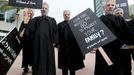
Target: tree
x=132, y=16
x=5, y=7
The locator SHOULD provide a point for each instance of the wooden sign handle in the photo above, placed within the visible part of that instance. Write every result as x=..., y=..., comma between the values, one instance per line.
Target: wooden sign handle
x=105, y=56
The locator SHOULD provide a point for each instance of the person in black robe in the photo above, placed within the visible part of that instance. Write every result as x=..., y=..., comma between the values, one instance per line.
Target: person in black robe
x=126, y=50
x=131, y=26
x=119, y=28
x=26, y=42
x=43, y=30
x=70, y=57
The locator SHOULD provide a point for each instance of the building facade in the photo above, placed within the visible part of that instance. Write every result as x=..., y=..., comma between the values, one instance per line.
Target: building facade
x=131, y=9
x=98, y=7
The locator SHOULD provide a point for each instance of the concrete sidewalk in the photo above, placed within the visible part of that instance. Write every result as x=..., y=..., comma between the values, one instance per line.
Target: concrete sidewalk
x=88, y=70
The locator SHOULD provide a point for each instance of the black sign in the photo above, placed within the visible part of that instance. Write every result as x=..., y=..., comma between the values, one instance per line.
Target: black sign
x=124, y=5
x=26, y=3
x=89, y=31
x=9, y=49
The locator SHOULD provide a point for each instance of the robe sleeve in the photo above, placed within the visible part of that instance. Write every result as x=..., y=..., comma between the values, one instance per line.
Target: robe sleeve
x=21, y=27
x=131, y=25
x=55, y=31
x=129, y=37
x=61, y=34
x=30, y=30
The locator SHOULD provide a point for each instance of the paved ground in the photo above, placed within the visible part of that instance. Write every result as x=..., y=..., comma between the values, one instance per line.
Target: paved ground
x=88, y=70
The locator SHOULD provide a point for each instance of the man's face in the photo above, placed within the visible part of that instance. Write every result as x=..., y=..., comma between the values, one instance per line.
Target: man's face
x=44, y=10
x=109, y=7
x=66, y=15
x=119, y=14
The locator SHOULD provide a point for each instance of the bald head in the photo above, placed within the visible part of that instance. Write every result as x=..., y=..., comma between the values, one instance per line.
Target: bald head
x=66, y=15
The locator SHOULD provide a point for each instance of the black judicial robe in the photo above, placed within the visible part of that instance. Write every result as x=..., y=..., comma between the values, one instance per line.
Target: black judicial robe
x=131, y=26
x=127, y=53
x=26, y=44
x=119, y=28
x=43, y=30
x=70, y=56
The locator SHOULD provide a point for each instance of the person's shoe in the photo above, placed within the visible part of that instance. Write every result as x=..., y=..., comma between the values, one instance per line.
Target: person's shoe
x=23, y=73
x=26, y=70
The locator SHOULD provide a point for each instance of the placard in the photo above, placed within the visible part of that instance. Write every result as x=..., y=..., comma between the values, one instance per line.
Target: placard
x=89, y=31
x=37, y=4
x=9, y=49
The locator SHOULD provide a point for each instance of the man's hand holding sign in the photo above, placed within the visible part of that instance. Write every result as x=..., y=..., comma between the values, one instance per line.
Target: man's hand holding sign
x=91, y=33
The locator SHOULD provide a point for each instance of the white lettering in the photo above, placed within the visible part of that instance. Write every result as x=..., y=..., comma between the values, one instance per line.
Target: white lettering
x=8, y=48
x=26, y=2
x=94, y=36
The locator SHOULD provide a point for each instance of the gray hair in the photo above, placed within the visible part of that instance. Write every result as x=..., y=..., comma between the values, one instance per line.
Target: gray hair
x=45, y=3
x=66, y=10
x=118, y=10
x=106, y=1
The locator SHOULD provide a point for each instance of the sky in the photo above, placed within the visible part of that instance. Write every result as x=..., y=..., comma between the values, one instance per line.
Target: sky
x=56, y=7
x=130, y=2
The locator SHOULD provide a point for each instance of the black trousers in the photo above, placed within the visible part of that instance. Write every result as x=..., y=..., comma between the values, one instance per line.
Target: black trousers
x=65, y=72
x=125, y=65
